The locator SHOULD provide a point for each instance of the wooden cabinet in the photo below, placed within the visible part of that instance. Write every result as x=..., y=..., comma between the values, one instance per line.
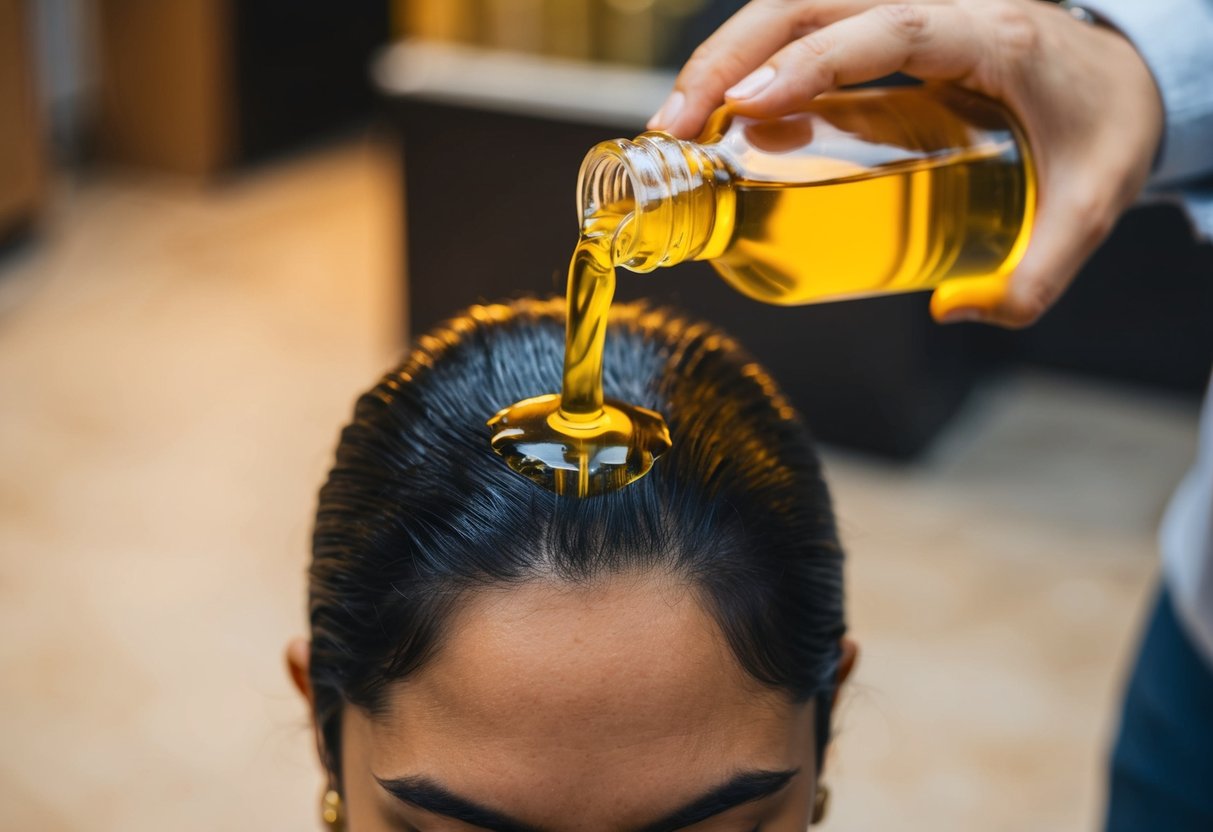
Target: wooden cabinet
x=164, y=84
x=195, y=86
x=21, y=141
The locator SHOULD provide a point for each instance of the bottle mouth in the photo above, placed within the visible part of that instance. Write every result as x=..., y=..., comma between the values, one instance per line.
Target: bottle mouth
x=651, y=194
x=607, y=199
x=605, y=185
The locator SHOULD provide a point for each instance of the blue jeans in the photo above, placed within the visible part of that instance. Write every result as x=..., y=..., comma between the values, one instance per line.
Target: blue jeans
x=1162, y=764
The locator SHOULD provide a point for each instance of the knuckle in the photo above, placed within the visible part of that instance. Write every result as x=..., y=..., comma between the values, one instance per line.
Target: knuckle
x=814, y=46
x=907, y=20
x=1015, y=31
x=699, y=63
x=710, y=67
x=810, y=56
x=802, y=16
x=1027, y=305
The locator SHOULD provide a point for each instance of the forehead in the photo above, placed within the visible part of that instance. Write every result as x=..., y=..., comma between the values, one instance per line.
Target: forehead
x=623, y=690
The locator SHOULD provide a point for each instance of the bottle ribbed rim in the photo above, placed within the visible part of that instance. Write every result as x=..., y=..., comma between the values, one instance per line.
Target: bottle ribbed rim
x=661, y=180
x=604, y=179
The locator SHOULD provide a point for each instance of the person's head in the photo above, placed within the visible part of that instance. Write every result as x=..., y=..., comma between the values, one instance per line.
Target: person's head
x=487, y=655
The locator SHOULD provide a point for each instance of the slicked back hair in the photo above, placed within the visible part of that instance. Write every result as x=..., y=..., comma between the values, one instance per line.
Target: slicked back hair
x=418, y=510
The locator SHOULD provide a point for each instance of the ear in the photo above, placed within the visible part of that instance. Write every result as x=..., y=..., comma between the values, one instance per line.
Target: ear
x=846, y=664
x=298, y=664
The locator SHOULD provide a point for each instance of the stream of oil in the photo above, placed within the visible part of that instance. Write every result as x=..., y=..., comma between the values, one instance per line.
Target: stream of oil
x=576, y=443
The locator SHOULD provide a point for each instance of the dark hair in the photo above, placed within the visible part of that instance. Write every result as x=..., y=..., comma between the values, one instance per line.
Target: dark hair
x=418, y=509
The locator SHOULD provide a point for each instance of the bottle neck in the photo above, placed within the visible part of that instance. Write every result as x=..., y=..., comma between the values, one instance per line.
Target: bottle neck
x=660, y=196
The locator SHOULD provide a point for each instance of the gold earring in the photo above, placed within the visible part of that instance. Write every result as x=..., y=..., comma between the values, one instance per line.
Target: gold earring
x=332, y=812
x=821, y=803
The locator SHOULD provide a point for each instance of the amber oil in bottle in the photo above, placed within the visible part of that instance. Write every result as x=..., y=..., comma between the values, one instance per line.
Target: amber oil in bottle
x=866, y=192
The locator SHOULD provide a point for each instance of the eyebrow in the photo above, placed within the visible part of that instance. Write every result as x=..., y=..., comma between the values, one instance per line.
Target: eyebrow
x=743, y=788
x=432, y=797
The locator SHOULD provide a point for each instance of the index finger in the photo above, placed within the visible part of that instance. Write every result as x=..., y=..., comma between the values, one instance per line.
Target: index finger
x=745, y=41
x=932, y=42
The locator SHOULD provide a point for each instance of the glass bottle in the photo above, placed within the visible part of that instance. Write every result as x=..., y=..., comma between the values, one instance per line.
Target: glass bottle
x=864, y=192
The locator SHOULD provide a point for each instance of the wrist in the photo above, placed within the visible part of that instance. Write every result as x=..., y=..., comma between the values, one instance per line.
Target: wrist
x=1133, y=79
x=1172, y=37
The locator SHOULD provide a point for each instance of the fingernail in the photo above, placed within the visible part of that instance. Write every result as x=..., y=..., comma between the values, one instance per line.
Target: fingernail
x=752, y=84
x=669, y=111
x=961, y=316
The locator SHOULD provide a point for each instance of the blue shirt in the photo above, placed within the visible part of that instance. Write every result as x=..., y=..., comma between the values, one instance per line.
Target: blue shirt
x=1175, y=37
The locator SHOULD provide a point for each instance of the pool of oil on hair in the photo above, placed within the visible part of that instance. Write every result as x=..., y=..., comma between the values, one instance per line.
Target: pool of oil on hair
x=575, y=442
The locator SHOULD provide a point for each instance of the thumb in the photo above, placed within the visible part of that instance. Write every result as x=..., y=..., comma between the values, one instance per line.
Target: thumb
x=1066, y=230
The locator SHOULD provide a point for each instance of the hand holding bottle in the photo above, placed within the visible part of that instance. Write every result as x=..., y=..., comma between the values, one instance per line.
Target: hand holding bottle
x=1086, y=99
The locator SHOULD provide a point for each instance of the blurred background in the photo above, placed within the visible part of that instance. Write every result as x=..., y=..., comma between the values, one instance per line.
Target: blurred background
x=221, y=220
